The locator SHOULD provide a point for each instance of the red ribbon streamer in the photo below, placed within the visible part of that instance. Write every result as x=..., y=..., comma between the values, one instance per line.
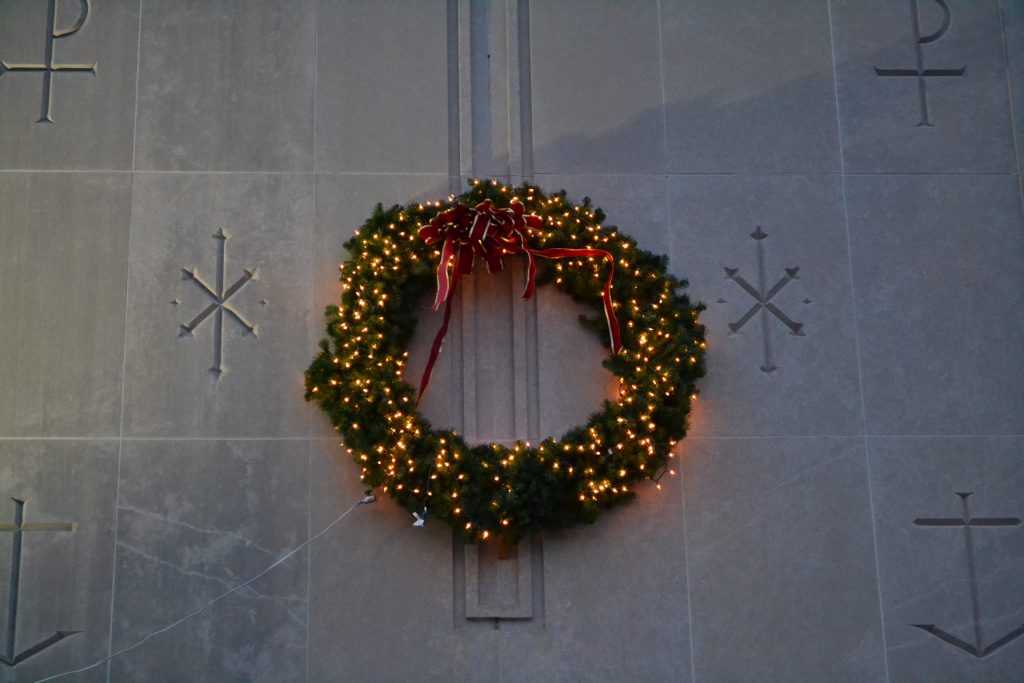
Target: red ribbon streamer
x=491, y=233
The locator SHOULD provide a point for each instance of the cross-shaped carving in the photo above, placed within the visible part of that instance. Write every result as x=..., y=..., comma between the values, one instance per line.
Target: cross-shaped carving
x=220, y=298
x=48, y=67
x=763, y=300
x=10, y=655
x=968, y=524
x=921, y=73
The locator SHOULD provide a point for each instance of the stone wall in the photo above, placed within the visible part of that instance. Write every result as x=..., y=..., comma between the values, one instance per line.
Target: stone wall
x=838, y=179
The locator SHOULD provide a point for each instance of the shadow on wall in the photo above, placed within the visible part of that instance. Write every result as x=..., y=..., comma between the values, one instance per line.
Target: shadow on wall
x=775, y=124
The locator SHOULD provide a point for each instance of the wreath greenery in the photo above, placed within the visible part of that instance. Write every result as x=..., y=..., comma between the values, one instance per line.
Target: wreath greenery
x=491, y=490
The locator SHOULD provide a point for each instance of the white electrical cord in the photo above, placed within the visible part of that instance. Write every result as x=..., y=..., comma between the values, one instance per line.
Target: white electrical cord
x=370, y=498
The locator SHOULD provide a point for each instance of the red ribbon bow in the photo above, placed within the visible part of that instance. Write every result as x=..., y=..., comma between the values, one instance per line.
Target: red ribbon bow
x=492, y=233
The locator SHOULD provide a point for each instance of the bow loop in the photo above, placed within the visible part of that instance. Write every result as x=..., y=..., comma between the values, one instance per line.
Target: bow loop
x=492, y=233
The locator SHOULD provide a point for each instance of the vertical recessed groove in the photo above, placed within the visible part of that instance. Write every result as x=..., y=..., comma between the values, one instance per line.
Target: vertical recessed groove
x=478, y=25
x=537, y=575
x=480, y=83
x=525, y=102
x=533, y=371
x=531, y=317
x=467, y=359
x=500, y=85
x=476, y=358
x=456, y=53
x=456, y=368
x=454, y=132
x=525, y=91
x=453, y=357
x=465, y=87
x=457, y=20
x=510, y=31
x=516, y=320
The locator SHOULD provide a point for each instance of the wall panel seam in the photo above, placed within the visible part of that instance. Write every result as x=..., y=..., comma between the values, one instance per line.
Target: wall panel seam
x=856, y=341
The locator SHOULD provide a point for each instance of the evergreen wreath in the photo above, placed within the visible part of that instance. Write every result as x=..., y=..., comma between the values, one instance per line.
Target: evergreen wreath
x=491, y=490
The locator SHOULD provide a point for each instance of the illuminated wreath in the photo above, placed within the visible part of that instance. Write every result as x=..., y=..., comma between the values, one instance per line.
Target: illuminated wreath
x=490, y=490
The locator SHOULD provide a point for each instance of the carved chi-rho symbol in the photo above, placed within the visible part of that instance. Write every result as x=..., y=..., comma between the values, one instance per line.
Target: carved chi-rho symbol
x=10, y=655
x=219, y=305
x=968, y=524
x=920, y=72
x=48, y=68
x=763, y=301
